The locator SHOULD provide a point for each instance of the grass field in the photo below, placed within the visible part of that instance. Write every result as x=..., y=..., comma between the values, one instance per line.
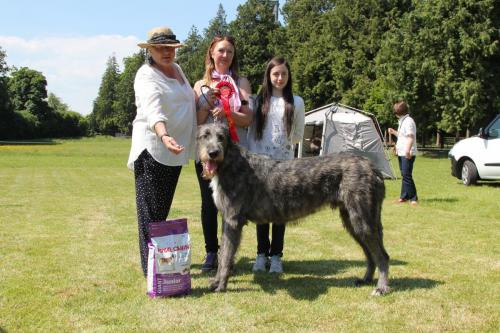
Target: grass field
x=69, y=260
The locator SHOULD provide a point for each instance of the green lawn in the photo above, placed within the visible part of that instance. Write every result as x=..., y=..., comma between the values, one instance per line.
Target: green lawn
x=69, y=259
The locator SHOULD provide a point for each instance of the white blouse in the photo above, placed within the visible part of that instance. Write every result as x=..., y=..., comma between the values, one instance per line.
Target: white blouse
x=275, y=143
x=406, y=127
x=160, y=98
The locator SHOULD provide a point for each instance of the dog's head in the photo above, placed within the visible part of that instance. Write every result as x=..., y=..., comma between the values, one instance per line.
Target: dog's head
x=212, y=141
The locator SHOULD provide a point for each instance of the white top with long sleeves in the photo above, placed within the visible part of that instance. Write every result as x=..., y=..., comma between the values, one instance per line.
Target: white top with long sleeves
x=406, y=127
x=160, y=98
x=275, y=143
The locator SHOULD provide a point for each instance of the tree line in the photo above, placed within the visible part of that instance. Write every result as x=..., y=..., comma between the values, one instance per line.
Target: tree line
x=27, y=112
x=442, y=56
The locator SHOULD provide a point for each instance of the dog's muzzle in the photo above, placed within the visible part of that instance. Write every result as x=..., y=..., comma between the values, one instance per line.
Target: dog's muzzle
x=213, y=154
x=210, y=165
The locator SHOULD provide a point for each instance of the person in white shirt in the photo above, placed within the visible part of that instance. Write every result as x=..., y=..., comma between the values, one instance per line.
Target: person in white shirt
x=406, y=149
x=277, y=126
x=163, y=134
x=221, y=67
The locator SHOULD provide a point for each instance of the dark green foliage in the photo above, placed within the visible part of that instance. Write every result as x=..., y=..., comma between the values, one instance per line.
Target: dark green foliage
x=191, y=56
x=253, y=31
x=124, y=107
x=64, y=122
x=28, y=92
x=6, y=112
x=27, y=113
x=114, y=108
x=442, y=56
x=103, y=118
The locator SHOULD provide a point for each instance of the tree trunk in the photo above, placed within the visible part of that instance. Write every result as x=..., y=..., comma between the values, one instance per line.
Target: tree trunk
x=439, y=140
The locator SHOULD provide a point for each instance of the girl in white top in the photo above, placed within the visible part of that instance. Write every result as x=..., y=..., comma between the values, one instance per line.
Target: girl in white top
x=163, y=134
x=278, y=125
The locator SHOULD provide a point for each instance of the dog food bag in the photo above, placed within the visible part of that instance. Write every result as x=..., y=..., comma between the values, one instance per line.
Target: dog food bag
x=169, y=259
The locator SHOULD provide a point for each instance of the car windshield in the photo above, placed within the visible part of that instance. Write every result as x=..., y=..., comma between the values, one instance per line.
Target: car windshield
x=494, y=129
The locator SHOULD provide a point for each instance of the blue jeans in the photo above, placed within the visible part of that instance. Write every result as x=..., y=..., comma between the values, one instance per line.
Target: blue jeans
x=408, y=189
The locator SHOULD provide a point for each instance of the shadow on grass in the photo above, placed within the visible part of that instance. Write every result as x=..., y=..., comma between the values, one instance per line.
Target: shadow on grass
x=316, y=278
x=3, y=330
x=38, y=142
x=483, y=183
x=434, y=153
x=438, y=200
x=488, y=184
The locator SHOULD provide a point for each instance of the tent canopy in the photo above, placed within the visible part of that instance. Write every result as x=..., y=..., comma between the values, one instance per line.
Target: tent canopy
x=345, y=129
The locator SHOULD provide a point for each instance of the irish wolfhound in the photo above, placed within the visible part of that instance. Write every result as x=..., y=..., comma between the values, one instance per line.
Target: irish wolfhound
x=248, y=186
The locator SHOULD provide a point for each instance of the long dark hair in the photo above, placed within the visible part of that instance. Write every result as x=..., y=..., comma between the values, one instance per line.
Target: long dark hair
x=264, y=98
x=209, y=62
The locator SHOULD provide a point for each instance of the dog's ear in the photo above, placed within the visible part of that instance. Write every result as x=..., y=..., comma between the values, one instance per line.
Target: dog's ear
x=200, y=130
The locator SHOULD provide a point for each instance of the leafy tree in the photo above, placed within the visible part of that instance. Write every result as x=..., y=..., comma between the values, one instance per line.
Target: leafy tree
x=191, y=57
x=4, y=94
x=124, y=107
x=102, y=118
x=28, y=92
x=63, y=122
x=253, y=30
x=6, y=113
x=57, y=104
x=311, y=43
x=217, y=26
x=443, y=59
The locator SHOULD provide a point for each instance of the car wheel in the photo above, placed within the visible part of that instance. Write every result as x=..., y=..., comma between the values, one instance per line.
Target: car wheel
x=469, y=173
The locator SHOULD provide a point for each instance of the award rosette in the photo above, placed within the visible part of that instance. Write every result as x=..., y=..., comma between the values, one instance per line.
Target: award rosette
x=226, y=92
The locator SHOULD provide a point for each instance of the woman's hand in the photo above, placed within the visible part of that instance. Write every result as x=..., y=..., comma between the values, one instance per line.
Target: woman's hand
x=218, y=113
x=212, y=95
x=172, y=145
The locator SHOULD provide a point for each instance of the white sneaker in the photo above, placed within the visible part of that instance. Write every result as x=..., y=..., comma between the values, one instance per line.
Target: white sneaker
x=260, y=263
x=276, y=265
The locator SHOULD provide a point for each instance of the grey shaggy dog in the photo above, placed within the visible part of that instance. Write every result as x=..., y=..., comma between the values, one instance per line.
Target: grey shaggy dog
x=247, y=186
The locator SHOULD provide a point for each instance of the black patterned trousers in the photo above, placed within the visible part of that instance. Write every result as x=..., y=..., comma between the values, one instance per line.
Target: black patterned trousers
x=155, y=185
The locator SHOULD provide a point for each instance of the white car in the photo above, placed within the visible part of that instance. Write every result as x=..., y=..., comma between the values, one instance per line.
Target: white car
x=478, y=157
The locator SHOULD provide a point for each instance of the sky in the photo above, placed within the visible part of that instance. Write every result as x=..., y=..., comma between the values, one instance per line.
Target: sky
x=70, y=41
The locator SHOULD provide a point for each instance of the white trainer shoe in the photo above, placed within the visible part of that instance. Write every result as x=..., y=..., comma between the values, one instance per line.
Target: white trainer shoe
x=260, y=263
x=276, y=265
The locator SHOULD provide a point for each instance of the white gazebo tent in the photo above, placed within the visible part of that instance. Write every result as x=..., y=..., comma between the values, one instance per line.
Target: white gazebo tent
x=336, y=128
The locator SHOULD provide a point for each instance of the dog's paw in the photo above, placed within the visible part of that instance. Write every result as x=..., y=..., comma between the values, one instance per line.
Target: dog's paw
x=217, y=286
x=362, y=282
x=379, y=291
x=219, y=289
x=214, y=284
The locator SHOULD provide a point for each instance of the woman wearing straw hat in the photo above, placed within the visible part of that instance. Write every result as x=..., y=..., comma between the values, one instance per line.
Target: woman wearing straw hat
x=163, y=135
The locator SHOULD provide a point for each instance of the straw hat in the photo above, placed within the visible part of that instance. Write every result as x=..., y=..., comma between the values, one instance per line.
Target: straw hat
x=161, y=36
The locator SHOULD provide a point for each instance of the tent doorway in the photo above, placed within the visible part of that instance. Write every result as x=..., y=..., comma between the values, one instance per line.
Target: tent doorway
x=336, y=128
